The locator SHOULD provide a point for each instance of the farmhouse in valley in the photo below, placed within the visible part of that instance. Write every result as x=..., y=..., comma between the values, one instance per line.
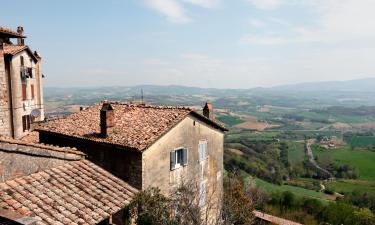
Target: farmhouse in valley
x=21, y=94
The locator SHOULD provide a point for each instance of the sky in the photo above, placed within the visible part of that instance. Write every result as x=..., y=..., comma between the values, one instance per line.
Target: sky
x=203, y=43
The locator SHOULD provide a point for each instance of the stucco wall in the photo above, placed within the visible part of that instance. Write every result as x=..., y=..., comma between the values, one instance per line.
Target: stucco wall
x=24, y=107
x=156, y=160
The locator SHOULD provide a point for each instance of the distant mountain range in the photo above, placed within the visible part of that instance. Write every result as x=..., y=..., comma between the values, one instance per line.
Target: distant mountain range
x=360, y=85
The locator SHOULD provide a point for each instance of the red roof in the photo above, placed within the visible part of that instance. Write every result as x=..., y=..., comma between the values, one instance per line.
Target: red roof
x=9, y=33
x=78, y=192
x=136, y=126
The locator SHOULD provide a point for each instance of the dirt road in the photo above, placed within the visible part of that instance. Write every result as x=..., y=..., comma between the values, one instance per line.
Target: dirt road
x=312, y=160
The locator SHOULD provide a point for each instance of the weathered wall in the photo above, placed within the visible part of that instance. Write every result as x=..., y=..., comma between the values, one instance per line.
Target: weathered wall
x=123, y=163
x=156, y=160
x=5, y=126
x=24, y=107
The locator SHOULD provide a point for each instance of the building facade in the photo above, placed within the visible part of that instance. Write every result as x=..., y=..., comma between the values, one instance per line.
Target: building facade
x=21, y=93
x=149, y=146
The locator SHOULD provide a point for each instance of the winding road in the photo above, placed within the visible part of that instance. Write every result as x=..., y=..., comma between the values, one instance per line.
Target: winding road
x=312, y=160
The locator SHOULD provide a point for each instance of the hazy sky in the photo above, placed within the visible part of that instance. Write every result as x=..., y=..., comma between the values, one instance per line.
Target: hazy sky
x=206, y=43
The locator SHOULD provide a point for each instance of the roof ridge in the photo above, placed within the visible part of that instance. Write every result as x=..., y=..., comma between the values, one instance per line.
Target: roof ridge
x=42, y=146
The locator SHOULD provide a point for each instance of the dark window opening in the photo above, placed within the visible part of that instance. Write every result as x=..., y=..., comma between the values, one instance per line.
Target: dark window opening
x=26, y=123
x=22, y=61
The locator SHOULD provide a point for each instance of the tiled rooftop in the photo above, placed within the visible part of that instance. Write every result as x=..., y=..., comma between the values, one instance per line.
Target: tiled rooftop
x=8, y=32
x=13, y=49
x=136, y=126
x=18, y=158
x=77, y=192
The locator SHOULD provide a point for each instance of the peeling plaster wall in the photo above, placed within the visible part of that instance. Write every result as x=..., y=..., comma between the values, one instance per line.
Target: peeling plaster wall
x=156, y=161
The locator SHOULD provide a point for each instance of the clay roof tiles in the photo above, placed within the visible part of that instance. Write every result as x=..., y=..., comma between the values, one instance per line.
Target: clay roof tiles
x=136, y=126
x=77, y=192
x=13, y=49
x=9, y=33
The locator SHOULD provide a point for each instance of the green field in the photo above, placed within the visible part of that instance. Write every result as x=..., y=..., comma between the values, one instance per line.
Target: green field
x=361, y=159
x=230, y=120
x=296, y=153
x=362, y=141
x=344, y=186
x=301, y=192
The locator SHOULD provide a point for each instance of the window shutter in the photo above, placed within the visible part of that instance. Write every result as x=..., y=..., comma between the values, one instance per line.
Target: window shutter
x=173, y=159
x=185, y=156
x=32, y=92
x=202, y=193
x=24, y=92
x=24, y=123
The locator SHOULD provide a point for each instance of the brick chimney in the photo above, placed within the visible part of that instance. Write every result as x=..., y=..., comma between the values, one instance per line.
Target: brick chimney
x=107, y=116
x=20, y=40
x=208, y=110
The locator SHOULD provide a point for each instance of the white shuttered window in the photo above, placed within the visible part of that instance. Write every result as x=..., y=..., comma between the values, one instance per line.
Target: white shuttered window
x=202, y=149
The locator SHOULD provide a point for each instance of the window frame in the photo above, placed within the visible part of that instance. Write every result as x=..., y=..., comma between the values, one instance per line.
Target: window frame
x=178, y=158
x=203, y=155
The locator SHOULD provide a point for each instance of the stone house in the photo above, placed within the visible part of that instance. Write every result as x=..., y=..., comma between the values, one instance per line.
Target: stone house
x=148, y=146
x=43, y=185
x=21, y=94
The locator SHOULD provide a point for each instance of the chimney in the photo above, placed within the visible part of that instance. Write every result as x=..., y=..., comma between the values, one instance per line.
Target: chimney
x=20, y=40
x=107, y=116
x=208, y=110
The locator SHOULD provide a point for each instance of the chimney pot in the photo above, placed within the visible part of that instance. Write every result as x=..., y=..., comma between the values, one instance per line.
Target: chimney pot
x=208, y=110
x=20, y=41
x=107, y=124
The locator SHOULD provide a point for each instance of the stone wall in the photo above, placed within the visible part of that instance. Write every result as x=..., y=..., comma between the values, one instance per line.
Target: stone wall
x=125, y=164
x=5, y=128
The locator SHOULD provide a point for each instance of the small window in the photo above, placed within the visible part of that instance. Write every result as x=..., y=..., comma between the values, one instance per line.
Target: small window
x=22, y=61
x=24, y=95
x=202, y=149
x=26, y=123
x=178, y=158
x=202, y=193
x=32, y=92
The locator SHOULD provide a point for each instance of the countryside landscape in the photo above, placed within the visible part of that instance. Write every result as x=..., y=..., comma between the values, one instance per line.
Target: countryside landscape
x=315, y=141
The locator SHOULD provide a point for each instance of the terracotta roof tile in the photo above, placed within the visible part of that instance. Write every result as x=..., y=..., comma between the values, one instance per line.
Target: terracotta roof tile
x=13, y=49
x=51, y=195
x=8, y=32
x=136, y=126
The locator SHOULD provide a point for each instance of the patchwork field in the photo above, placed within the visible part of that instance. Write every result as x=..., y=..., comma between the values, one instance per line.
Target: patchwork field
x=362, y=141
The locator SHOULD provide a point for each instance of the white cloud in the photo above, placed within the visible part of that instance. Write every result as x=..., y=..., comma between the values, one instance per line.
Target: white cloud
x=173, y=10
x=337, y=20
x=266, y=4
x=257, y=23
x=204, y=3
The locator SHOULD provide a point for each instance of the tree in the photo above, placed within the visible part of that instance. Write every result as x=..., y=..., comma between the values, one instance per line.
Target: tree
x=237, y=206
x=149, y=207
